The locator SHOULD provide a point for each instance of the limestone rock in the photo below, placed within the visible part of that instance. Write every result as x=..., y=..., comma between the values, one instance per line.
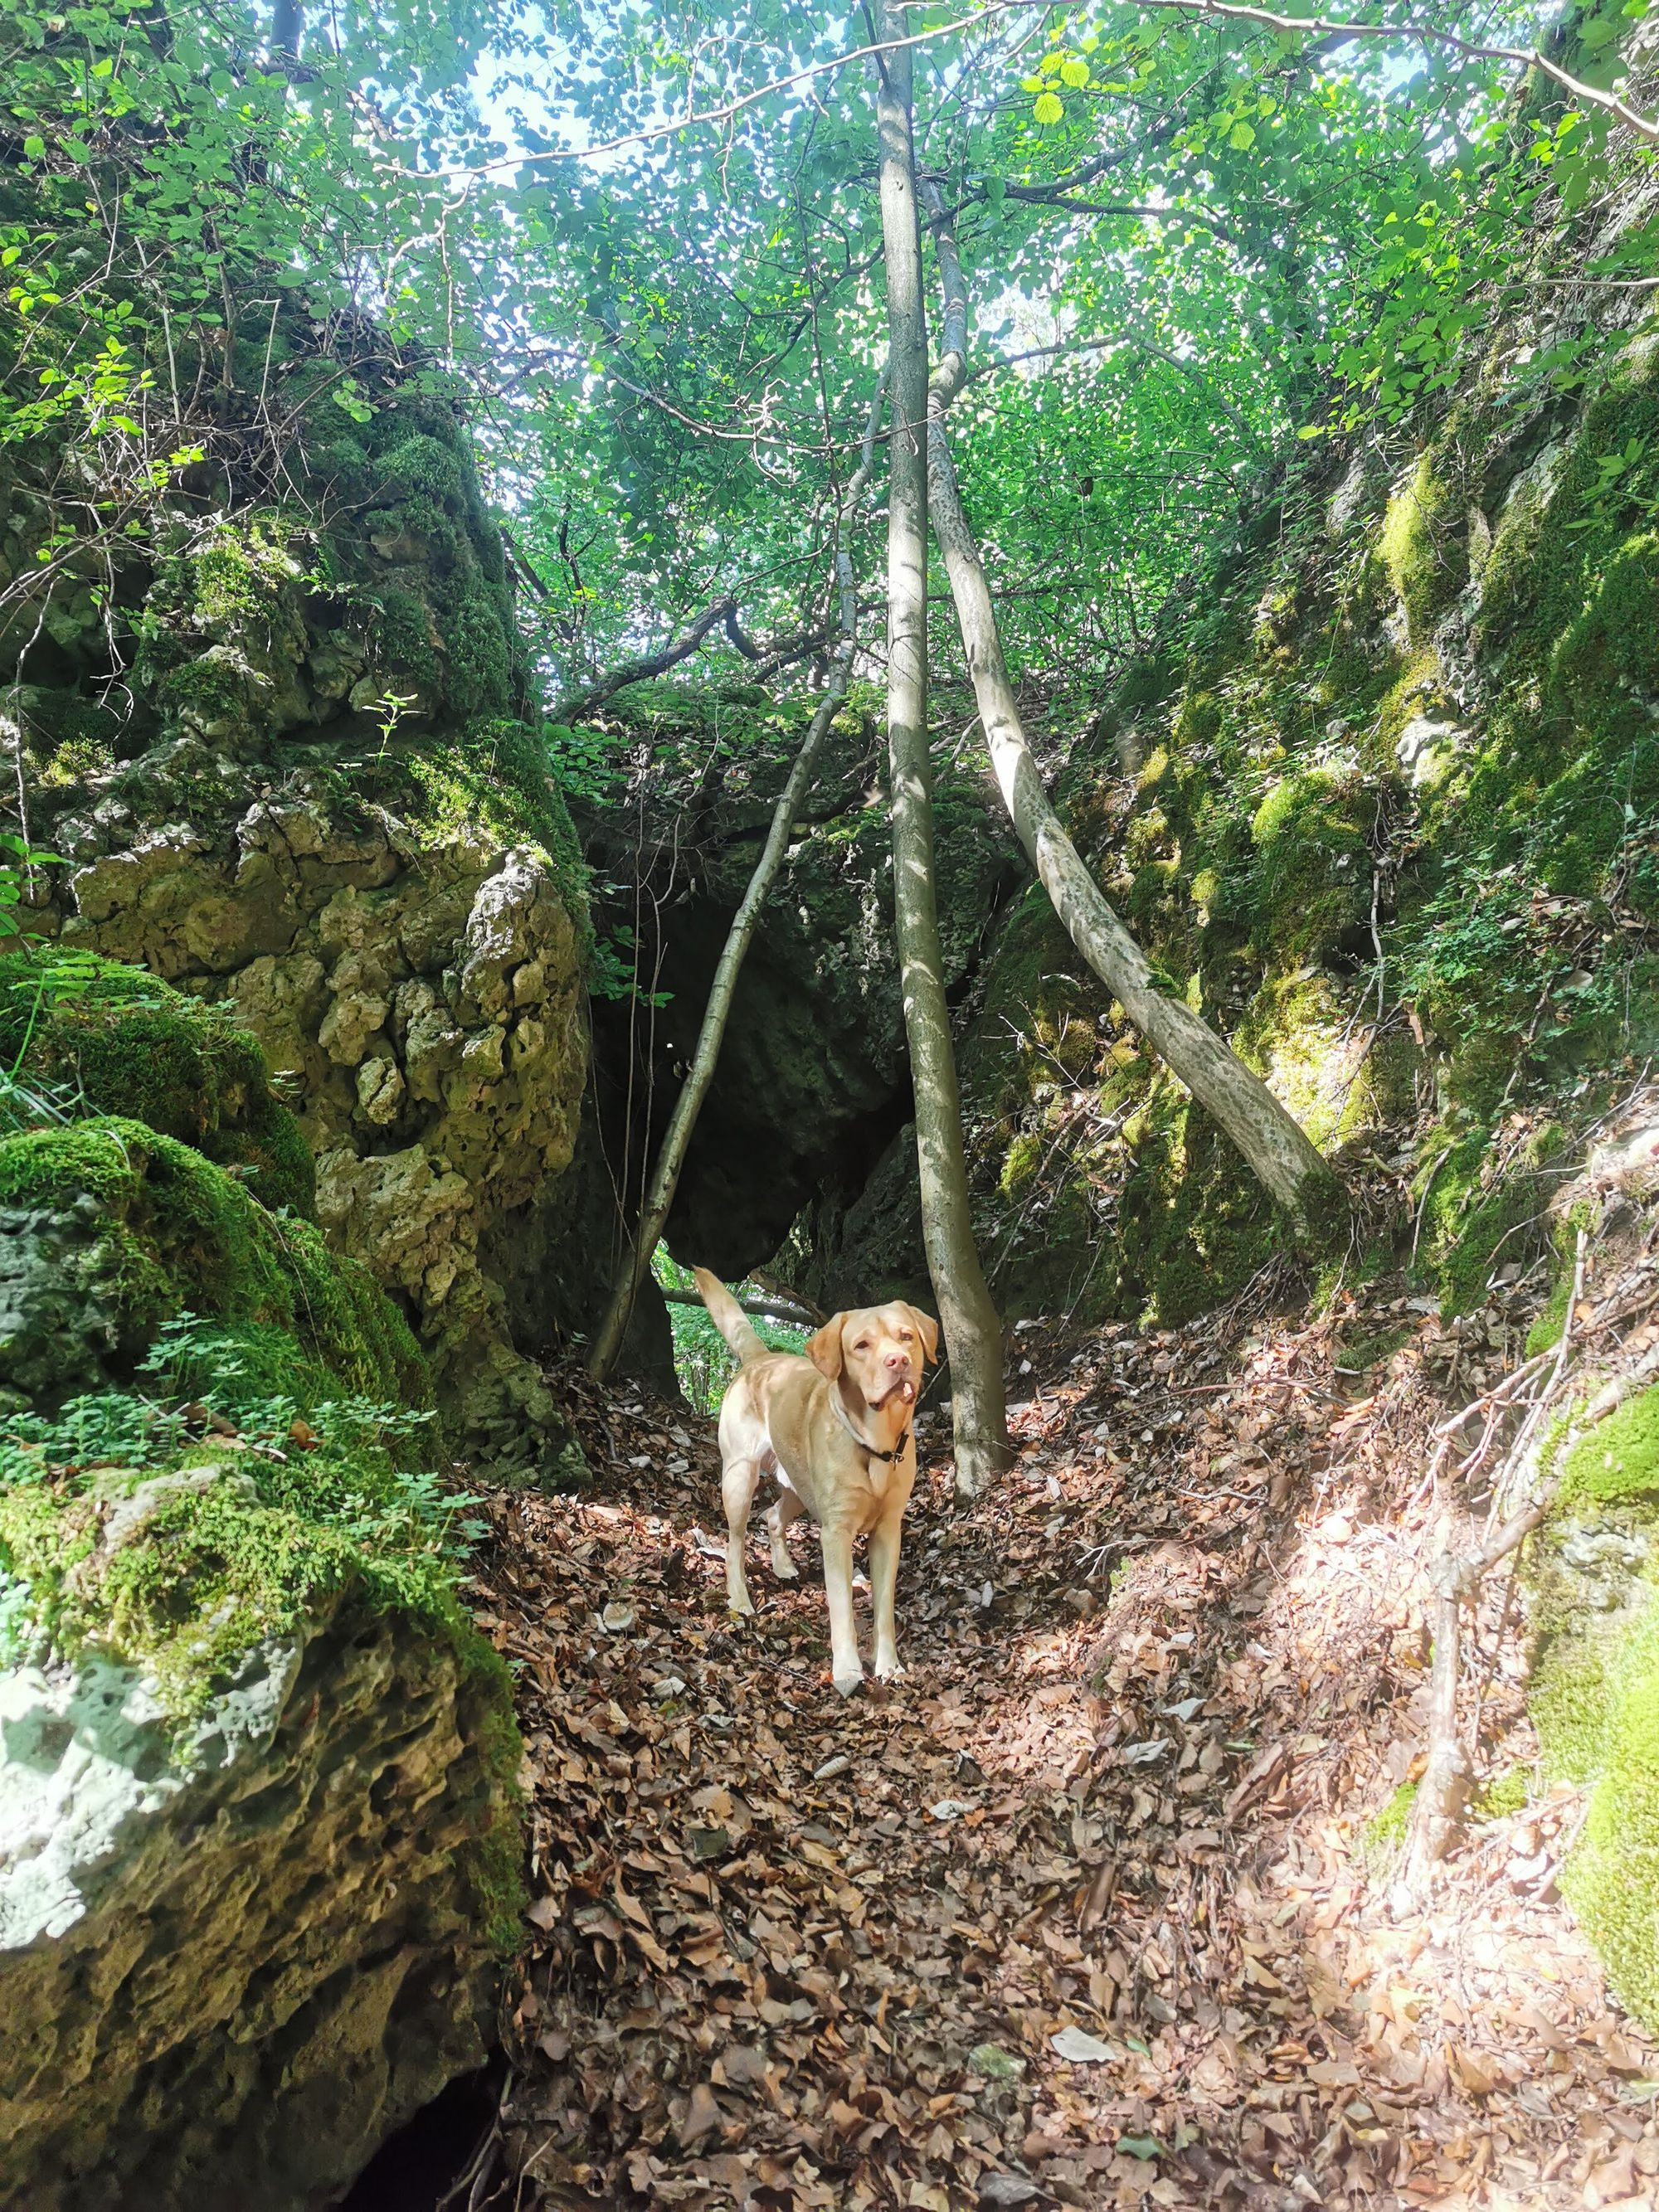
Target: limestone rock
x=246, y=1951
x=424, y=1006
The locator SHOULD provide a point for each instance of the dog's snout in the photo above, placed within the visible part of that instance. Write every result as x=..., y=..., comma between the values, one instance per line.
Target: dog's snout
x=897, y=1361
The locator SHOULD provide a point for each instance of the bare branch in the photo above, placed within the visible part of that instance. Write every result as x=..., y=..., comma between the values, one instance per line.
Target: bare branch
x=1417, y=31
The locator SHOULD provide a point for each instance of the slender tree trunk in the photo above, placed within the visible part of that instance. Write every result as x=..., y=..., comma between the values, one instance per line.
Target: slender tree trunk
x=973, y=1333
x=664, y=1180
x=665, y=1177
x=1274, y=1144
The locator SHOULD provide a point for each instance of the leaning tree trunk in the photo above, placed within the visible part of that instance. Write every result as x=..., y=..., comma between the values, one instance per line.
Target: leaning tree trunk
x=973, y=1333
x=1277, y=1148
x=665, y=1177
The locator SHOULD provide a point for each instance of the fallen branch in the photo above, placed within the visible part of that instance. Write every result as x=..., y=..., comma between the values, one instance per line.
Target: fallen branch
x=753, y=1302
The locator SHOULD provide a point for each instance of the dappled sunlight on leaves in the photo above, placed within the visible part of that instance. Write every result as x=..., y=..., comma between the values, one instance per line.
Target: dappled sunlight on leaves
x=1092, y=1906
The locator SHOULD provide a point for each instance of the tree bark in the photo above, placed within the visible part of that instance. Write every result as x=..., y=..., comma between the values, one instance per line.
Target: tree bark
x=973, y=1333
x=1277, y=1148
x=665, y=1177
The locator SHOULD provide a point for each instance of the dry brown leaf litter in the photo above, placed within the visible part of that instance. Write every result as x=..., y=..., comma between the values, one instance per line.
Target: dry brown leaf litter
x=790, y=1951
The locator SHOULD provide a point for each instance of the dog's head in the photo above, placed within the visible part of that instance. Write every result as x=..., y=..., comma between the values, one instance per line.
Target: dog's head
x=880, y=1350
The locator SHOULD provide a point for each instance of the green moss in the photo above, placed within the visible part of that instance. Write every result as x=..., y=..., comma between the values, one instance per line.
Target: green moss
x=1617, y=1463
x=1503, y=1794
x=404, y=646
x=1383, y=1836
x=1611, y=1879
x=495, y=777
x=1481, y=1205
x=177, y=1234
x=213, y=1572
x=1424, y=546
x=1608, y=658
x=123, y=1042
x=477, y=631
x=1313, y=865
x=429, y=465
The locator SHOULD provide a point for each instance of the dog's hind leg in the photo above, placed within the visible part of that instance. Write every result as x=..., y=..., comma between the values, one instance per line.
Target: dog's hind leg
x=738, y=1481
x=788, y=1509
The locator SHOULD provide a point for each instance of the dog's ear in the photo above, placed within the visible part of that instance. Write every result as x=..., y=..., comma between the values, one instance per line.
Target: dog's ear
x=928, y=1326
x=824, y=1350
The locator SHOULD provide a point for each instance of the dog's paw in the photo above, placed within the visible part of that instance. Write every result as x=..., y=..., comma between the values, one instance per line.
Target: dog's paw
x=742, y=1603
x=785, y=1571
x=849, y=1685
x=890, y=1671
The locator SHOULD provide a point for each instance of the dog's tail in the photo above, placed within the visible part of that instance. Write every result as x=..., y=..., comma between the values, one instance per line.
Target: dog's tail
x=727, y=1316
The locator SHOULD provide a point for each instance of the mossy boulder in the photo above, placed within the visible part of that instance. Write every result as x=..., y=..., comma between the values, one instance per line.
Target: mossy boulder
x=410, y=964
x=115, y=1040
x=113, y=1229
x=232, y=1954
x=1596, y=1687
x=257, y=1770
x=328, y=806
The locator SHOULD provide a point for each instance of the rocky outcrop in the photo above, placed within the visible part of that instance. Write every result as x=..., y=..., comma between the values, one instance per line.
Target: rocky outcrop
x=422, y=1005
x=328, y=807
x=231, y=1959
x=258, y=1838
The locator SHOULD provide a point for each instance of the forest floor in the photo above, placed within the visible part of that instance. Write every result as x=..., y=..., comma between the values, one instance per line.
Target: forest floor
x=1087, y=1909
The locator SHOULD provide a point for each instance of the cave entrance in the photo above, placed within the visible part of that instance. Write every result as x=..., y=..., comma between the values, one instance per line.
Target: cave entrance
x=430, y=2162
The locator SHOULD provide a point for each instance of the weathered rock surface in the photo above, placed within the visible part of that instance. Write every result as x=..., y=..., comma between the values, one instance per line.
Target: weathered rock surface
x=231, y=1959
x=330, y=807
x=423, y=1009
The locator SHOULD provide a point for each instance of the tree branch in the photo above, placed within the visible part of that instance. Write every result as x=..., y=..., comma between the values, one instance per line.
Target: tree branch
x=754, y=1302
x=1417, y=31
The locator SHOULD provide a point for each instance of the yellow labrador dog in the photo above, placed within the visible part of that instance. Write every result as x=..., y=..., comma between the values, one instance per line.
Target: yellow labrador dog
x=836, y=1429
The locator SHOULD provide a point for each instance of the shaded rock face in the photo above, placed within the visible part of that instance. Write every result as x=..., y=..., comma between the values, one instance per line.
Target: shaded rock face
x=230, y=1960
x=425, y=1009
x=330, y=807
x=813, y=1078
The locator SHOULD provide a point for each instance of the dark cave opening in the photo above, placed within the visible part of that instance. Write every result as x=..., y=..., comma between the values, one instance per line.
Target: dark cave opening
x=417, y=2169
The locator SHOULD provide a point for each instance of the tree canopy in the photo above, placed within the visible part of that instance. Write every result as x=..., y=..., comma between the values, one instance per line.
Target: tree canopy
x=646, y=251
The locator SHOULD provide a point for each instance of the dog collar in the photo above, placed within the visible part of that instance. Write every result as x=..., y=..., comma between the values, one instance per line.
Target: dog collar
x=863, y=1442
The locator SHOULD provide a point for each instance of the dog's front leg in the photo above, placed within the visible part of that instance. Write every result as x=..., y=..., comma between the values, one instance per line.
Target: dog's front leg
x=884, y=1578
x=844, y=1661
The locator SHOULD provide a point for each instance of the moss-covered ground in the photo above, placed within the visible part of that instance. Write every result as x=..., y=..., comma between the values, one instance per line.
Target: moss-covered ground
x=108, y=1038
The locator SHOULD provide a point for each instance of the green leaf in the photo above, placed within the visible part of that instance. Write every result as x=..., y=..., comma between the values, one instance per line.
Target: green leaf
x=1048, y=107
x=1241, y=137
x=1074, y=71
x=1141, y=2146
x=34, y=149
